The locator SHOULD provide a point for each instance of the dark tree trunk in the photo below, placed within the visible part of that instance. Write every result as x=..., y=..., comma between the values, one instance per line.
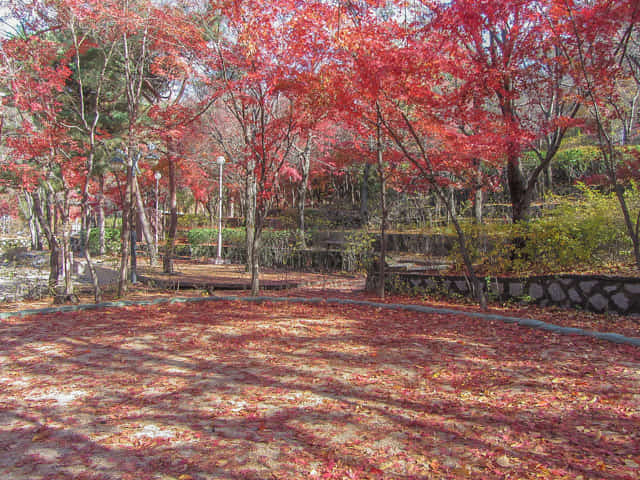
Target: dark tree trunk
x=302, y=194
x=143, y=222
x=383, y=206
x=255, y=265
x=250, y=218
x=364, y=195
x=167, y=262
x=125, y=234
x=518, y=192
x=102, y=247
x=55, y=251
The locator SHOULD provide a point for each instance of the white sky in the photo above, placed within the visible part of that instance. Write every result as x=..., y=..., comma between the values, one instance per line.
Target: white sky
x=7, y=22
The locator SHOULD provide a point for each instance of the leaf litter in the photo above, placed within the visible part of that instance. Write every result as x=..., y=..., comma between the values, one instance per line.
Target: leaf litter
x=237, y=390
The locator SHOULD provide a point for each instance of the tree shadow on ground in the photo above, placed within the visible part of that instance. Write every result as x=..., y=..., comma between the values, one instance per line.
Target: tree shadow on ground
x=236, y=390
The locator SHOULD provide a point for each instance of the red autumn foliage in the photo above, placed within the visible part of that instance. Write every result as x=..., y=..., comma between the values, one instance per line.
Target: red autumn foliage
x=246, y=390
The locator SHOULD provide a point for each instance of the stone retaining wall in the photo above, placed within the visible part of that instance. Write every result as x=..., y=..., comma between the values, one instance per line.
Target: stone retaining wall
x=594, y=293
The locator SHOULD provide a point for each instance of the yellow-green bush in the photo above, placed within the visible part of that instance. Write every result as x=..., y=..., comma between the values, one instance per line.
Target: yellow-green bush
x=586, y=231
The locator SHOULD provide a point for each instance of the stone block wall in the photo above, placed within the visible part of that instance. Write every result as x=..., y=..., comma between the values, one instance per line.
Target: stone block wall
x=599, y=293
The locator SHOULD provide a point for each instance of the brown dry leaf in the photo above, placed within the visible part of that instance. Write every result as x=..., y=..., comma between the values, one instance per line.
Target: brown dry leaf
x=41, y=436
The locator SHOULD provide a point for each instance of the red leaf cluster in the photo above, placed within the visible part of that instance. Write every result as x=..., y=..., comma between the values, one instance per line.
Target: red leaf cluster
x=273, y=390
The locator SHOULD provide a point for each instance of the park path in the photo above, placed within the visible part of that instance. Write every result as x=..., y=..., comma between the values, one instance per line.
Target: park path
x=196, y=281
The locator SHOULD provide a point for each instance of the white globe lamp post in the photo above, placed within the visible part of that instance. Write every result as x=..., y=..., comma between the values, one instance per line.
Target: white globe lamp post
x=219, y=260
x=157, y=176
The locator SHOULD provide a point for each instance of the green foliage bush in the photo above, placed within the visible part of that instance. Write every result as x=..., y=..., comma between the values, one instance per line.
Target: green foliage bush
x=358, y=252
x=12, y=243
x=587, y=231
x=572, y=164
x=203, y=241
x=111, y=240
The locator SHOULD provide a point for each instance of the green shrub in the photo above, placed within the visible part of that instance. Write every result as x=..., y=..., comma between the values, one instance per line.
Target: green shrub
x=572, y=164
x=111, y=240
x=277, y=246
x=358, y=252
x=585, y=231
x=204, y=241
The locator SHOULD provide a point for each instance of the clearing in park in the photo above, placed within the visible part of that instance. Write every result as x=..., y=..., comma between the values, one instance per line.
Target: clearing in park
x=238, y=390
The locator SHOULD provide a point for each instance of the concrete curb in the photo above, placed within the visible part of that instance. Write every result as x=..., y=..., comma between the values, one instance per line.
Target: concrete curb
x=526, y=322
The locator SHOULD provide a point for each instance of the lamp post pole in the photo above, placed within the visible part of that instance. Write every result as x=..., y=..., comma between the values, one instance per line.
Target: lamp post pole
x=157, y=176
x=219, y=260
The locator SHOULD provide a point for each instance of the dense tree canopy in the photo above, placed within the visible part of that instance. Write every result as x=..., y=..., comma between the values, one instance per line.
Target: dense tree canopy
x=451, y=95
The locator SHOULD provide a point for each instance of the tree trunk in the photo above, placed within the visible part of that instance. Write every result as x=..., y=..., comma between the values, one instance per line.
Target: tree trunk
x=255, y=265
x=364, y=195
x=451, y=205
x=632, y=229
x=477, y=195
x=102, y=247
x=34, y=228
x=67, y=253
x=383, y=206
x=250, y=220
x=55, y=259
x=125, y=234
x=167, y=263
x=477, y=206
x=519, y=194
x=85, y=229
x=146, y=227
x=302, y=194
x=429, y=174
x=549, y=178
x=95, y=281
x=383, y=238
x=211, y=209
x=303, y=236
x=476, y=286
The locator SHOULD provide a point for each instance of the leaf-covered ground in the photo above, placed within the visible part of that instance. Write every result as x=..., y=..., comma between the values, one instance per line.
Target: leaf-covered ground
x=235, y=390
x=628, y=325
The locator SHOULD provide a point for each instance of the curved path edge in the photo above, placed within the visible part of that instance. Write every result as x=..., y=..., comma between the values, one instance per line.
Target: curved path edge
x=527, y=322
